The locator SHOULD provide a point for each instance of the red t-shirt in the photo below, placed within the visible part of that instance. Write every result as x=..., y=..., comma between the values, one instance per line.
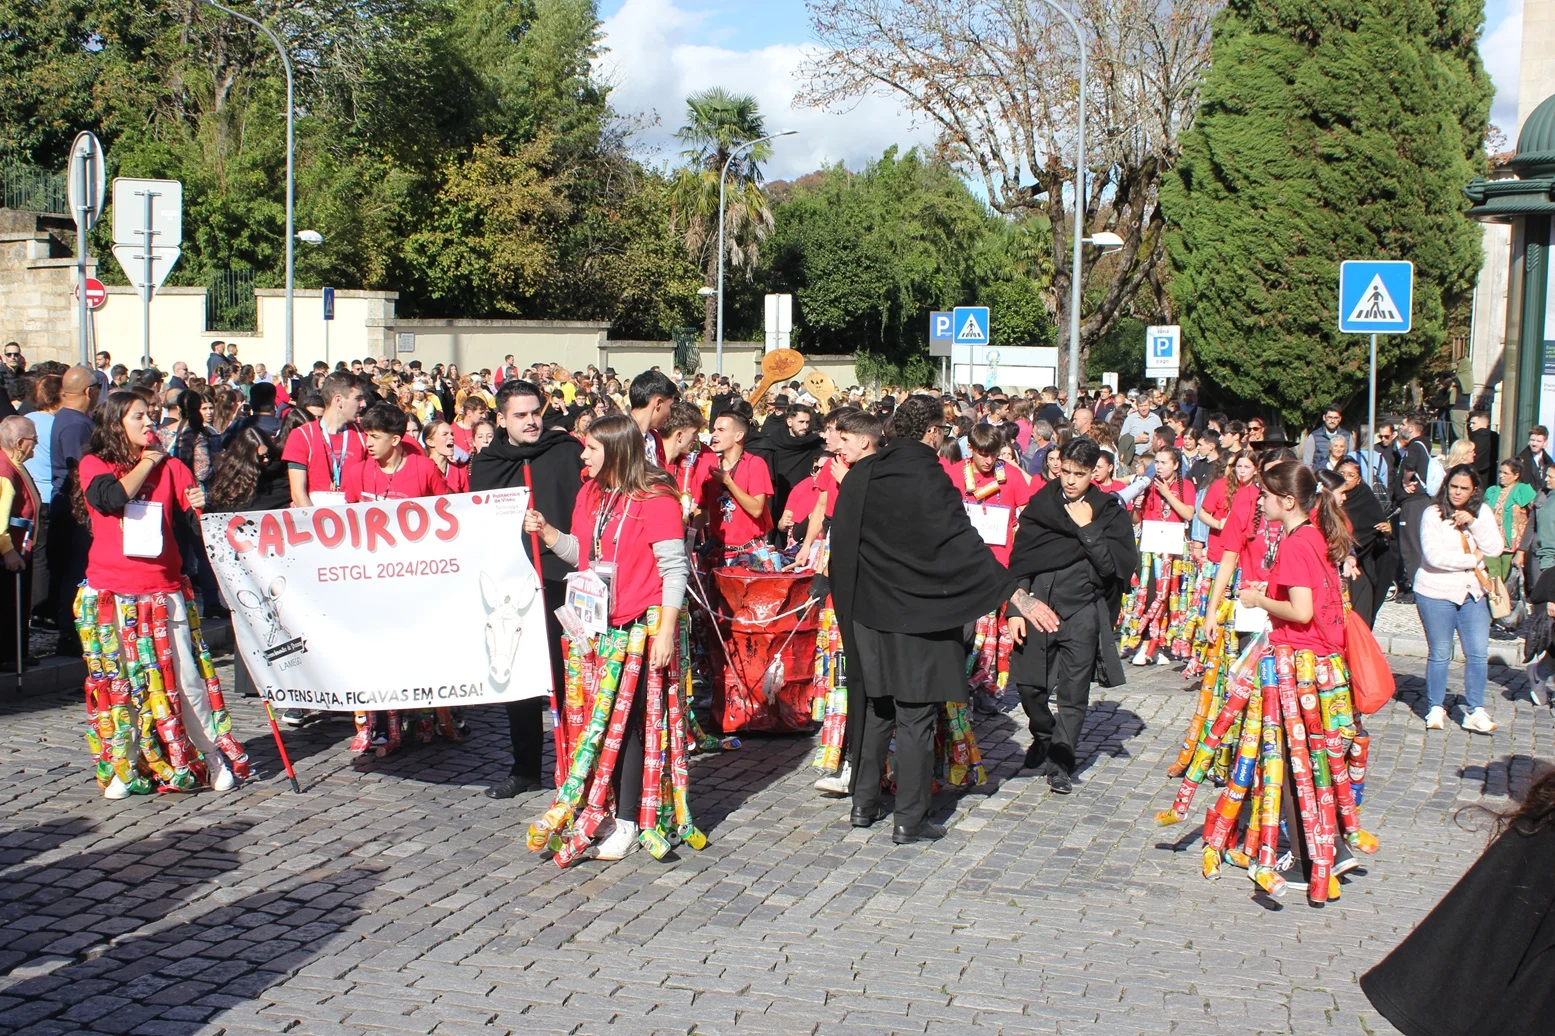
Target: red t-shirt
x=826, y=483
x=107, y=566
x=802, y=498
x=418, y=476
x=1238, y=515
x=1014, y=494
x=627, y=536
x=1155, y=508
x=1115, y=486
x=727, y=522
x=458, y=478
x=464, y=438
x=325, y=457
x=1302, y=560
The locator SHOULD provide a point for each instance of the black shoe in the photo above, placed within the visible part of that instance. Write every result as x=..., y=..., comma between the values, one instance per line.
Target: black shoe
x=1060, y=782
x=1405, y=597
x=868, y=817
x=924, y=832
x=1035, y=757
x=514, y=785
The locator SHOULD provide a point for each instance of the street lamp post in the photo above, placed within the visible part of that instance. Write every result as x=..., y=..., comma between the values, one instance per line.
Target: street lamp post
x=734, y=151
x=1079, y=216
x=286, y=63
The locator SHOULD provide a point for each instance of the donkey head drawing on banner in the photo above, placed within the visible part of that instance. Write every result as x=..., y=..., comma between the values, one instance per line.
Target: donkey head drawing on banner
x=505, y=622
x=264, y=603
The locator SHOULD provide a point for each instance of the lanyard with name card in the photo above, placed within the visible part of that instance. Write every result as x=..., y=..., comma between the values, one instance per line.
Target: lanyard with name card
x=589, y=591
x=141, y=525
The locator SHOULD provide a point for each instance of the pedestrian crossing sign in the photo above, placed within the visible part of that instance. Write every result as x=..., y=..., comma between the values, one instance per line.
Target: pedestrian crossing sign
x=1376, y=297
x=971, y=325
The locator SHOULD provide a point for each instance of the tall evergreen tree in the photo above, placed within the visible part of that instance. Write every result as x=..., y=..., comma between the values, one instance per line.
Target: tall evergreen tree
x=1330, y=130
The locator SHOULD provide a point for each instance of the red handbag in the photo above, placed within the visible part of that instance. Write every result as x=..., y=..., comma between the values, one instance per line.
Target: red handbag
x=1371, y=678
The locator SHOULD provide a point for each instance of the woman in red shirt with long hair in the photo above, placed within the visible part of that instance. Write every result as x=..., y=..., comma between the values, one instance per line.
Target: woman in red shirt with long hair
x=618, y=726
x=158, y=717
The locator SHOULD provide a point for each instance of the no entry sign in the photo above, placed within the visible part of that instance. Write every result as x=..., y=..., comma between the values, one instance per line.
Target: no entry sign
x=96, y=294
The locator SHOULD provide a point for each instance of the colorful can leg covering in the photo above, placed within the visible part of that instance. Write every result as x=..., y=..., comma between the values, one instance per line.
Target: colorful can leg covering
x=611, y=653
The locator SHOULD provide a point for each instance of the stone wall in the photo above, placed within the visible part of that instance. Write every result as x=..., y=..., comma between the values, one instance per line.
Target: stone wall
x=37, y=275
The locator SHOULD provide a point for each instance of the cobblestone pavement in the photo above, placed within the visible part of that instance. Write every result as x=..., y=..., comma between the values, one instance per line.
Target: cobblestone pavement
x=396, y=898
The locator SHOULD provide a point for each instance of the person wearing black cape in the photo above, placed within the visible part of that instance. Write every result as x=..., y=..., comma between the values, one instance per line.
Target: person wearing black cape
x=1075, y=551
x=1375, y=559
x=909, y=576
x=550, y=462
x=789, y=446
x=1479, y=963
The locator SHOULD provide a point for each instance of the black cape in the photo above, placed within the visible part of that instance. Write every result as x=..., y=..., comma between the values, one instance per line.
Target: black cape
x=1480, y=962
x=905, y=558
x=789, y=458
x=1048, y=541
x=904, y=555
x=556, y=468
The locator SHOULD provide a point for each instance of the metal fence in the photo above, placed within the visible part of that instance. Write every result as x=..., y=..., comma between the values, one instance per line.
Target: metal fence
x=31, y=189
x=229, y=302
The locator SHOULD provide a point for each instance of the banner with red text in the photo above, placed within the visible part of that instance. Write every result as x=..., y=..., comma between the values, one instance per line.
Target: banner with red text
x=398, y=604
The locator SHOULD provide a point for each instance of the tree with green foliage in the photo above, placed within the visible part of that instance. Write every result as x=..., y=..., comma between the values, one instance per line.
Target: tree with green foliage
x=1330, y=130
x=717, y=122
x=869, y=255
x=462, y=154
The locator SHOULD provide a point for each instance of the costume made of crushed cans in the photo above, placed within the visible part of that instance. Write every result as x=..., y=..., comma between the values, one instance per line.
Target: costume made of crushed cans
x=156, y=716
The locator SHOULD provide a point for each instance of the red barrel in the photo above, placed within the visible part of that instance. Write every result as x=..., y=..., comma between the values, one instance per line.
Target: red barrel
x=751, y=599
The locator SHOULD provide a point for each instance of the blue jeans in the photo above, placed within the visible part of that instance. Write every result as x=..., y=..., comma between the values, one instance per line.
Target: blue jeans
x=1471, y=620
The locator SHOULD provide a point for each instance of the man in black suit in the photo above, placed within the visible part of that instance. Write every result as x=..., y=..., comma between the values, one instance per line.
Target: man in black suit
x=1535, y=458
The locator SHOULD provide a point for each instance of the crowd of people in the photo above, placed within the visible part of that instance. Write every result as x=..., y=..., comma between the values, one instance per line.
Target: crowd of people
x=957, y=542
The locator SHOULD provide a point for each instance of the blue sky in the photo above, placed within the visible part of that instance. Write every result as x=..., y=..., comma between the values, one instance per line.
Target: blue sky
x=661, y=50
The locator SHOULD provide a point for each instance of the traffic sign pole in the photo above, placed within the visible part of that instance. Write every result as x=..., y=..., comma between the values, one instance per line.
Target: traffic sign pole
x=1371, y=406
x=145, y=292
x=79, y=167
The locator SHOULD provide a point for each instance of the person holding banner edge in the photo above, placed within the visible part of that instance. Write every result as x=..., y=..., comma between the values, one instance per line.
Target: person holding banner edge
x=628, y=533
x=158, y=716
x=549, y=463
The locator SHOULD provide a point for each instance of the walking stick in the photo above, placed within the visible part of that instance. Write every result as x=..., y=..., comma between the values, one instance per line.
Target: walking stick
x=21, y=637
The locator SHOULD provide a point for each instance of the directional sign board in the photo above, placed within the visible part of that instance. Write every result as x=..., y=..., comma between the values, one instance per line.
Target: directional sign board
x=971, y=325
x=147, y=229
x=1376, y=297
x=941, y=333
x=1163, y=351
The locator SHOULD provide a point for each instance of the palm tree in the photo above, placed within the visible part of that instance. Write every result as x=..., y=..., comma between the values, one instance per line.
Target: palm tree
x=716, y=123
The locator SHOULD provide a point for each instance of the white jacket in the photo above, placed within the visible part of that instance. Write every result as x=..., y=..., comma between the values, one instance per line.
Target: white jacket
x=1446, y=569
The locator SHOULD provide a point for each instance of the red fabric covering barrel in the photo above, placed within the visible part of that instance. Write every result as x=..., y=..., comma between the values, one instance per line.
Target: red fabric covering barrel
x=751, y=599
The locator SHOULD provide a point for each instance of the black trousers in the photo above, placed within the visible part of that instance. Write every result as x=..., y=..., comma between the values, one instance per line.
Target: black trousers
x=1071, y=662
x=68, y=547
x=1408, y=538
x=914, y=724
x=526, y=718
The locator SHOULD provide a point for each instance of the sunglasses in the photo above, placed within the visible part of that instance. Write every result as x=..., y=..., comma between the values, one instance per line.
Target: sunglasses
x=13, y=356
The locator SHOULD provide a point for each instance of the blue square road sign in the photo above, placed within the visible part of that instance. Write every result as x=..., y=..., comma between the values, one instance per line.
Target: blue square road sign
x=1376, y=296
x=971, y=325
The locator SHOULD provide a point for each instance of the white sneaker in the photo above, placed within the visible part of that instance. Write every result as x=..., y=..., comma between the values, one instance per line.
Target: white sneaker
x=222, y=779
x=1538, y=691
x=1479, y=721
x=1164, y=659
x=621, y=840
x=116, y=789
x=840, y=783
x=1141, y=658
x=1436, y=719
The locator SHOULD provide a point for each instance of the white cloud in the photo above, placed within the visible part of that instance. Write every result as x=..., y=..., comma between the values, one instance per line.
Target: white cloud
x=653, y=65
x=1501, y=49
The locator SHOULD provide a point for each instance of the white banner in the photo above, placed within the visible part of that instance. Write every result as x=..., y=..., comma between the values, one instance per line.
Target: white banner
x=400, y=604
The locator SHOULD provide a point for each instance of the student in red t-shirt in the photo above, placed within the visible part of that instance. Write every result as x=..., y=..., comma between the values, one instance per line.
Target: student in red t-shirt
x=438, y=436
x=1301, y=594
x=650, y=397
x=318, y=453
x=986, y=482
x=390, y=472
x=1102, y=478
x=684, y=457
x=133, y=494
x=1169, y=498
x=628, y=515
x=735, y=490
x=862, y=436
x=1249, y=541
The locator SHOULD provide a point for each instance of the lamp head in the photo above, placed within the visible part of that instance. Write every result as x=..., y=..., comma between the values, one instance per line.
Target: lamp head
x=1106, y=241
